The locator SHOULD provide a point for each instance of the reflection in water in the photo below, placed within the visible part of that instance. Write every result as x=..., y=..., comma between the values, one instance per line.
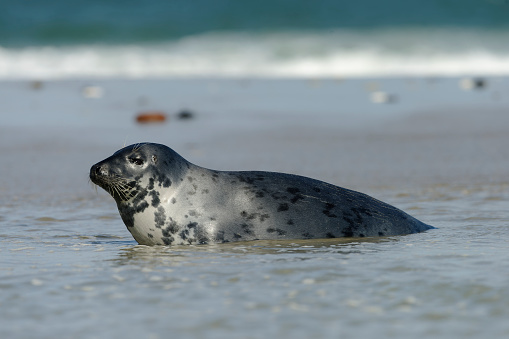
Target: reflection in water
x=176, y=255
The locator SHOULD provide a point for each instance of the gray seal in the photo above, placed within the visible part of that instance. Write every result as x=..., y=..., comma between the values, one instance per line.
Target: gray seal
x=165, y=200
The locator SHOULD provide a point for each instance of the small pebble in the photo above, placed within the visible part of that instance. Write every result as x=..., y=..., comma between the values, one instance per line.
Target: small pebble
x=185, y=115
x=151, y=117
x=92, y=92
x=469, y=84
x=380, y=97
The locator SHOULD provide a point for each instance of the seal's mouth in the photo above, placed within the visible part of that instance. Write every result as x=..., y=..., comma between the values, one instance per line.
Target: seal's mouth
x=118, y=187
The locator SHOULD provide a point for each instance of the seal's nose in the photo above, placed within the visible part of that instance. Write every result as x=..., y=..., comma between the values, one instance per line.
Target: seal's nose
x=96, y=171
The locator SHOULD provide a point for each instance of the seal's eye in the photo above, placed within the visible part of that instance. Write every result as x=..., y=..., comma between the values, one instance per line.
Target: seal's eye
x=136, y=161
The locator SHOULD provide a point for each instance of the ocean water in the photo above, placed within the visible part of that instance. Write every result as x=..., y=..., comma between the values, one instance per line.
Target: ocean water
x=51, y=39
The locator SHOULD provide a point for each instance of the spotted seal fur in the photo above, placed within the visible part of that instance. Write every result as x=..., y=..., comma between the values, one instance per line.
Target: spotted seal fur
x=164, y=200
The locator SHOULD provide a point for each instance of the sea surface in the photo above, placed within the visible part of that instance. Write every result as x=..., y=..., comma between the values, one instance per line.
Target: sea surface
x=51, y=39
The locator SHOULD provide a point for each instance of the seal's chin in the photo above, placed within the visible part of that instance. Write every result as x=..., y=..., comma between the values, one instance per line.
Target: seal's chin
x=98, y=175
x=103, y=184
x=120, y=189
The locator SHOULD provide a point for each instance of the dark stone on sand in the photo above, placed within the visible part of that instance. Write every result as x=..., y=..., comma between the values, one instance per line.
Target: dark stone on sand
x=470, y=84
x=185, y=115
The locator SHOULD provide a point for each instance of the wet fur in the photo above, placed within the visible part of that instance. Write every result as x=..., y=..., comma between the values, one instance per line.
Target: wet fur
x=168, y=200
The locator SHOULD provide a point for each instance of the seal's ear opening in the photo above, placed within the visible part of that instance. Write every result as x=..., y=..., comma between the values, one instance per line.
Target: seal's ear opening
x=154, y=159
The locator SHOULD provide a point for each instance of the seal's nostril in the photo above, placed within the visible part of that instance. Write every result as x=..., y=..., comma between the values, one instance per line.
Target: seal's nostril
x=98, y=170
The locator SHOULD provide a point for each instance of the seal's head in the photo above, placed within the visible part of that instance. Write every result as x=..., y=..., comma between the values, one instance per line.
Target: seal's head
x=137, y=168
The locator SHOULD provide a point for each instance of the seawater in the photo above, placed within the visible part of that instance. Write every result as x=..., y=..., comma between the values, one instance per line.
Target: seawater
x=70, y=269
x=50, y=39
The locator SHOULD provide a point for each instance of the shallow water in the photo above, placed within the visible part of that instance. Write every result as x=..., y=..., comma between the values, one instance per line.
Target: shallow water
x=82, y=274
x=70, y=269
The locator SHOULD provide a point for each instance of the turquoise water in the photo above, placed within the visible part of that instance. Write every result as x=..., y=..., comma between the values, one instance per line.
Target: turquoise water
x=82, y=22
x=76, y=39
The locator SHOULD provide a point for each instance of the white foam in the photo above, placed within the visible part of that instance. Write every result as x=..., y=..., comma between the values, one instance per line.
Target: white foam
x=311, y=54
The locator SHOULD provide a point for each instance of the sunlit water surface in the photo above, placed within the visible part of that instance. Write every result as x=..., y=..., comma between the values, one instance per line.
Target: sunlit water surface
x=76, y=272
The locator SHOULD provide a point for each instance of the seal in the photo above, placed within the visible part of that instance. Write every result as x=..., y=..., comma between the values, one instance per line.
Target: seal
x=165, y=200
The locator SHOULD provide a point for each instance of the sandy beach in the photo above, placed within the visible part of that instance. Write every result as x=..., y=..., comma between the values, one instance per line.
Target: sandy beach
x=433, y=132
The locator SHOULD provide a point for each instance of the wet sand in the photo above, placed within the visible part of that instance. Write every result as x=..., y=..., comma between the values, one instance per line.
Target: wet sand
x=433, y=133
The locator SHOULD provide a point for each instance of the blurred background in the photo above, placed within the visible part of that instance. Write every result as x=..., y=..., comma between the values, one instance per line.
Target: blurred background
x=324, y=38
